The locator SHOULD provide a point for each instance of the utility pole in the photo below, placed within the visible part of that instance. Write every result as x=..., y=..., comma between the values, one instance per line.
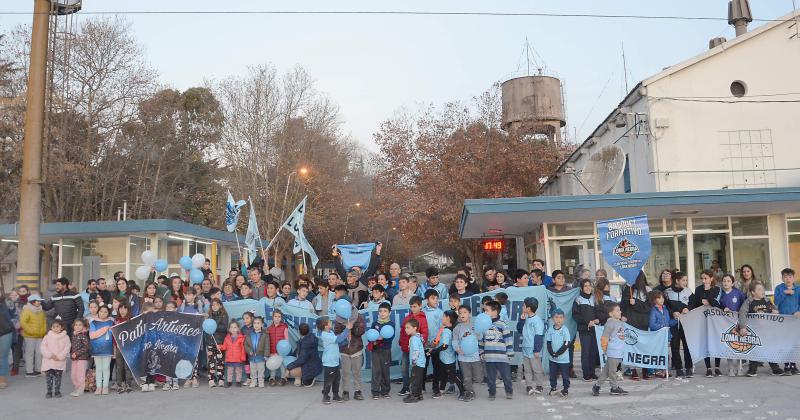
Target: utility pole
x=30, y=190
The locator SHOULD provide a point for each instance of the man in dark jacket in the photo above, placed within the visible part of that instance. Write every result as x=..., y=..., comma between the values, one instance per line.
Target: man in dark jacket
x=67, y=305
x=308, y=364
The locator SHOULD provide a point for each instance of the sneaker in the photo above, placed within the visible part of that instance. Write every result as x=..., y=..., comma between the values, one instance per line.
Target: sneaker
x=794, y=370
x=787, y=372
x=751, y=373
x=460, y=397
x=212, y=384
x=358, y=396
x=709, y=373
x=253, y=384
x=195, y=383
x=717, y=372
x=31, y=375
x=57, y=394
x=298, y=382
x=376, y=397
x=272, y=382
x=175, y=386
x=596, y=391
x=403, y=392
x=247, y=381
x=436, y=395
x=48, y=395
x=450, y=389
x=618, y=391
x=337, y=399
x=491, y=397
x=221, y=383
x=77, y=393
x=690, y=373
x=410, y=399
x=346, y=395
x=310, y=384
x=105, y=391
x=680, y=373
x=166, y=387
x=538, y=390
x=282, y=382
x=529, y=390
x=470, y=396
x=587, y=379
x=326, y=399
x=777, y=372
x=552, y=392
x=386, y=396
x=120, y=390
x=563, y=393
x=509, y=396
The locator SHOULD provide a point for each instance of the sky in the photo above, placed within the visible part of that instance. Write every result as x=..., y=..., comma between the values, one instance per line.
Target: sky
x=374, y=65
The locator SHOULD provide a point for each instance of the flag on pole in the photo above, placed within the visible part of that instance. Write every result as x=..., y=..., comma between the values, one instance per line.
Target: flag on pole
x=252, y=235
x=232, y=212
x=294, y=224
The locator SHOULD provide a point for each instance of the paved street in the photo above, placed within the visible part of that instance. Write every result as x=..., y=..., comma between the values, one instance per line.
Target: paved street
x=764, y=397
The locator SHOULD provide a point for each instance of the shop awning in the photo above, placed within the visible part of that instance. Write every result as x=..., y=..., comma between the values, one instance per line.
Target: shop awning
x=516, y=216
x=54, y=231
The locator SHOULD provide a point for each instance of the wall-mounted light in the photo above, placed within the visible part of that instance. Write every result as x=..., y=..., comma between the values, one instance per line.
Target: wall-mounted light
x=13, y=241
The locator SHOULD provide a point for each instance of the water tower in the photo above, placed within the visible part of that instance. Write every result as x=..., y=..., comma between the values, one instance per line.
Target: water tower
x=534, y=106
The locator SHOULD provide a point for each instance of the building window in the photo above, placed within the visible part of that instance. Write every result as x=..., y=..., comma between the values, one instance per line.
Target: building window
x=711, y=252
x=570, y=229
x=626, y=175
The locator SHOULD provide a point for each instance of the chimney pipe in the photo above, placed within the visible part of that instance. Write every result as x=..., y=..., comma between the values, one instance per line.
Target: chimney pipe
x=739, y=15
x=715, y=42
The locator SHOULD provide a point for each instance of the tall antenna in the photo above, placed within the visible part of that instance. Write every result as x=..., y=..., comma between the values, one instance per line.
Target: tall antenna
x=625, y=68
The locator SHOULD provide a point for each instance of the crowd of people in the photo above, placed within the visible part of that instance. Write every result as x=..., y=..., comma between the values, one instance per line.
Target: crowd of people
x=438, y=331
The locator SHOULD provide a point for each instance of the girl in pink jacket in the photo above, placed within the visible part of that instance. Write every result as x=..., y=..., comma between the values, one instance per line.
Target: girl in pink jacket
x=55, y=350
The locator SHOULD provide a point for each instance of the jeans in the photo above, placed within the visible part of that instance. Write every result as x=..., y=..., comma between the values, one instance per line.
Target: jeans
x=16, y=348
x=555, y=370
x=492, y=369
x=533, y=371
x=331, y=377
x=102, y=366
x=5, y=349
x=351, y=370
x=381, y=361
x=589, y=353
x=405, y=367
x=33, y=355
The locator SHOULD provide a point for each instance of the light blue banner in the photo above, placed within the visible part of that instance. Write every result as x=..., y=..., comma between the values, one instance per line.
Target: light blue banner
x=644, y=349
x=625, y=243
x=356, y=255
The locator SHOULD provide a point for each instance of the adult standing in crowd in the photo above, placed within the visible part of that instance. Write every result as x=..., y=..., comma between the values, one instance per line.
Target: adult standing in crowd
x=67, y=305
x=746, y=277
x=374, y=263
x=7, y=332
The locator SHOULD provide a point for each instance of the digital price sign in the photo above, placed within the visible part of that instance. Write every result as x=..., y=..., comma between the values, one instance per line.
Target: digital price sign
x=493, y=245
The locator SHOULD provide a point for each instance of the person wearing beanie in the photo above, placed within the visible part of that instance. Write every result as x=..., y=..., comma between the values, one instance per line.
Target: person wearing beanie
x=34, y=327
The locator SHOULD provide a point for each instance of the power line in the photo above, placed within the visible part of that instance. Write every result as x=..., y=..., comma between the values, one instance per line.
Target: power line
x=397, y=12
x=732, y=101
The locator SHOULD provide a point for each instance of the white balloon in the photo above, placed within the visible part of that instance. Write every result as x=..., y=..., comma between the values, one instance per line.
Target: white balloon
x=149, y=258
x=274, y=362
x=198, y=260
x=142, y=272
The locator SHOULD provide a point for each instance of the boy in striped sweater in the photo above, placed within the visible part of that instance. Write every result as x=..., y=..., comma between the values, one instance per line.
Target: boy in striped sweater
x=496, y=348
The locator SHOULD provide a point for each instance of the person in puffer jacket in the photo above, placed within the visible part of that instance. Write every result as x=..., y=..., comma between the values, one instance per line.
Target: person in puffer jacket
x=67, y=305
x=678, y=298
x=235, y=356
x=308, y=364
x=352, y=353
x=636, y=309
x=34, y=327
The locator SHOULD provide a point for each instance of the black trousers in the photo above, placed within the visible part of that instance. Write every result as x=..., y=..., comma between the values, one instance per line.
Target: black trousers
x=381, y=361
x=589, y=353
x=707, y=361
x=449, y=375
x=331, y=376
x=417, y=381
x=437, y=371
x=675, y=345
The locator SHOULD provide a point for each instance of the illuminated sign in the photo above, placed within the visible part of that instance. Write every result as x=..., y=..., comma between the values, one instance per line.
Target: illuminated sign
x=493, y=245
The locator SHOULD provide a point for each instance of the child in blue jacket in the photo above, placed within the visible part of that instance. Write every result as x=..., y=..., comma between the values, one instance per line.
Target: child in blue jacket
x=330, y=358
x=787, y=299
x=660, y=318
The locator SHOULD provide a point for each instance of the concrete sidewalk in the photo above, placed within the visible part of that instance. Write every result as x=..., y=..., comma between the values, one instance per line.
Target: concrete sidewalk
x=764, y=397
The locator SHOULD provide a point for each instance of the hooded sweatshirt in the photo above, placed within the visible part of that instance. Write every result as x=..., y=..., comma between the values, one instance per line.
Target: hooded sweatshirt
x=33, y=321
x=423, y=329
x=55, y=350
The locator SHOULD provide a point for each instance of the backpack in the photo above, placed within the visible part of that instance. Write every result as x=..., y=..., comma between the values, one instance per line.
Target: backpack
x=90, y=385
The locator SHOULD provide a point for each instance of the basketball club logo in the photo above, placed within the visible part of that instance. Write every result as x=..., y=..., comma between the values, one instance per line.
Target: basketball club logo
x=631, y=338
x=625, y=249
x=741, y=344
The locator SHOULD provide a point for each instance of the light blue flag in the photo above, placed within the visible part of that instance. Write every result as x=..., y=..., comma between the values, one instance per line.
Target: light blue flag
x=232, y=209
x=356, y=255
x=644, y=349
x=252, y=235
x=626, y=245
x=294, y=224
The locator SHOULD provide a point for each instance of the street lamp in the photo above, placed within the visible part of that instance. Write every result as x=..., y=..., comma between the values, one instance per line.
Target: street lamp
x=346, y=222
x=303, y=171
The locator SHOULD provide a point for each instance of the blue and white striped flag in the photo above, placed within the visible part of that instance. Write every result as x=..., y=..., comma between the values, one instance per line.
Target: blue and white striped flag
x=232, y=209
x=252, y=235
x=294, y=224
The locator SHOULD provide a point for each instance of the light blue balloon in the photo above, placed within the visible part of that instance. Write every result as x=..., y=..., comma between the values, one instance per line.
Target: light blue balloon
x=186, y=262
x=161, y=266
x=209, y=326
x=195, y=276
x=284, y=347
x=469, y=345
x=372, y=334
x=343, y=308
x=482, y=323
x=288, y=360
x=183, y=369
x=387, y=332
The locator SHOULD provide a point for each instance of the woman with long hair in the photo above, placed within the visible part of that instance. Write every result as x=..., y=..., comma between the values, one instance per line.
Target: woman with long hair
x=636, y=308
x=746, y=277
